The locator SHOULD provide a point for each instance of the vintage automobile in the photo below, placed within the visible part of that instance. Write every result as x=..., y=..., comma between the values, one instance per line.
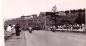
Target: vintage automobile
x=36, y=28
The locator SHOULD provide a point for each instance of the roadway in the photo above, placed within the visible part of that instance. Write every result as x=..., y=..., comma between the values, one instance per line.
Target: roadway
x=47, y=38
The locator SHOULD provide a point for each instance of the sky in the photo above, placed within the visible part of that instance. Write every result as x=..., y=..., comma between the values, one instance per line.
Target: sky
x=16, y=8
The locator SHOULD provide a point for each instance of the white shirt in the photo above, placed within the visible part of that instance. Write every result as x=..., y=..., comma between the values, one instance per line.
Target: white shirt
x=9, y=28
x=30, y=28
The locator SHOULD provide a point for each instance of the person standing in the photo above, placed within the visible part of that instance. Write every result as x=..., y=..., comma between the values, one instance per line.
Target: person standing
x=13, y=29
x=30, y=29
x=17, y=29
x=9, y=29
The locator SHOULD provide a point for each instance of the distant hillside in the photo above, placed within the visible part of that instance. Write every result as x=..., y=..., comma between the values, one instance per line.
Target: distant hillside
x=67, y=20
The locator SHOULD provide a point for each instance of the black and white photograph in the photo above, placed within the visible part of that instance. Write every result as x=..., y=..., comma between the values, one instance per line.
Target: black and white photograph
x=44, y=22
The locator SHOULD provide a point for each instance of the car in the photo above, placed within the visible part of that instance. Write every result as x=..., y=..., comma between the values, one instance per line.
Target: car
x=36, y=28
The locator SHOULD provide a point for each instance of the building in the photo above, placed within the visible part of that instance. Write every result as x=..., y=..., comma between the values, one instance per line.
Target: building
x=47, y=19
x=62, y=17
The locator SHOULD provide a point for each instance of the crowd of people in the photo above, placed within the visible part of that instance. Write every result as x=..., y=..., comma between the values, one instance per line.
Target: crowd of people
x=14, y=29
x=69, y=28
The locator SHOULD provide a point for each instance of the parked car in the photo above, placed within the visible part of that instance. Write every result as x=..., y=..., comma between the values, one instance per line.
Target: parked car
x=36, y=28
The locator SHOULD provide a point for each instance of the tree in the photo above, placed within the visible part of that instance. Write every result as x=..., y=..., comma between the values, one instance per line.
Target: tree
x=81, y=17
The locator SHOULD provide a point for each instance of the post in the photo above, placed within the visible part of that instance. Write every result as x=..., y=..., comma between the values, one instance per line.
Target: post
x=45, y=22
x=55, y=20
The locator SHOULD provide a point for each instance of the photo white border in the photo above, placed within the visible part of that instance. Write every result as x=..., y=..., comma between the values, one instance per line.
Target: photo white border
x=1, y=26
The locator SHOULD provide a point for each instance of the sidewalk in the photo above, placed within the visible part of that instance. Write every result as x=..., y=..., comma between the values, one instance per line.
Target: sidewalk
x=13, y=41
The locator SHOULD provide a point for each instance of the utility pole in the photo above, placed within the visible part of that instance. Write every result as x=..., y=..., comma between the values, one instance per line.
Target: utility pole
x=54, y=10
x=55, y=20
x=45, y=22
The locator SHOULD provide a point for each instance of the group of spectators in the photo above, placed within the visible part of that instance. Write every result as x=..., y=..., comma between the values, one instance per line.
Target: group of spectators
x=12, y=29
x=69, y=27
